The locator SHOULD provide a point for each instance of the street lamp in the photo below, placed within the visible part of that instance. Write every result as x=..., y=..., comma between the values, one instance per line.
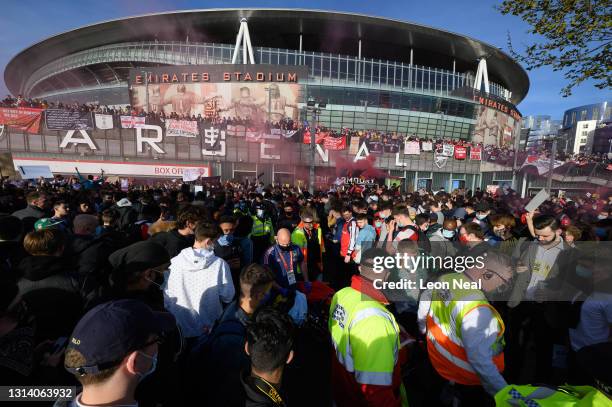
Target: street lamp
x=315, y=108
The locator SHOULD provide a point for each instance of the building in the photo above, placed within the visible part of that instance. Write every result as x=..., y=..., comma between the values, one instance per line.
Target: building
x=541, y=128
x=579, y=124
x=602, y=139
x=372, y=74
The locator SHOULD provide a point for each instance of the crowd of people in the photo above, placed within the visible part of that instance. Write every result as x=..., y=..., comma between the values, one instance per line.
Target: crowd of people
x=254, y=295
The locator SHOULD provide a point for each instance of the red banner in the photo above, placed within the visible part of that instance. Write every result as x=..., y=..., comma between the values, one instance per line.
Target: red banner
x=320, y=137
x=476, y=153
x=460, y=153
x=335, y=143
x=21, y=118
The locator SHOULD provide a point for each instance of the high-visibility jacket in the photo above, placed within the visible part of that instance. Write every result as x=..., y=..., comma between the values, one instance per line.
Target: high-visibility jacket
x=262, y=228
x=365, y=336
x=444, y=342
x=563, y=396
x=298, y=237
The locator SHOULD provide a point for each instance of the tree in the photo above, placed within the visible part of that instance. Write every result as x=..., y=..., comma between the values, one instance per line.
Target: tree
x=576, y=38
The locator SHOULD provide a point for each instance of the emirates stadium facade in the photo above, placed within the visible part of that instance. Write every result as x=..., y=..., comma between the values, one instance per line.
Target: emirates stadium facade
x=368, y=75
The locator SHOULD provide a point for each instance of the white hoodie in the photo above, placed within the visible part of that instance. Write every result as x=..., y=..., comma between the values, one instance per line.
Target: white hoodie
x=196, y=287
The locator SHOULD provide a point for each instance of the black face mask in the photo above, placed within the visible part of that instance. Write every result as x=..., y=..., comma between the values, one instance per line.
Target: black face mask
x=285, y=248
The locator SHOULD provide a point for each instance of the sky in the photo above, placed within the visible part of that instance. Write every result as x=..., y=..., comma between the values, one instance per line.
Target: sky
x=26, y=22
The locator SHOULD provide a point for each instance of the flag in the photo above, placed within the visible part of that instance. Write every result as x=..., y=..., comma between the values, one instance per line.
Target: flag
x=335, y=143
x=427, y=146
x=476, y=153
x=460, y=153
x=448, y=149
x=104, y=121
x=412, y=147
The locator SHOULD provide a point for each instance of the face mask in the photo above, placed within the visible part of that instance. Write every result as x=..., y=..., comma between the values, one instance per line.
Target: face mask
x=400, y=224
x=481, y=217
x=151, y=370
x=383, y=216
x=378, y=223
x=155, y=283
x=285, y=248
x=156, y=198
x=226, y=240
x=448, y=233
x=583, y=272
x=463, y=239
x=601, y=217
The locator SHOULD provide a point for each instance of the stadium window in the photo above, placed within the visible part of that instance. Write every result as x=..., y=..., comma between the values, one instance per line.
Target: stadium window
x=583, y=114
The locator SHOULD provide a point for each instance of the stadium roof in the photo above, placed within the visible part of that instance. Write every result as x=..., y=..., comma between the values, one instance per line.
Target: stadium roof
x=322, y=31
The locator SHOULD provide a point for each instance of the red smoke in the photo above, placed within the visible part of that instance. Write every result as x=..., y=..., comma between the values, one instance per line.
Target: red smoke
x=360, y=168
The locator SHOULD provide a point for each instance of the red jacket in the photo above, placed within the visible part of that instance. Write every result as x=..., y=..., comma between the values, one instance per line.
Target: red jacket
x=348, y=237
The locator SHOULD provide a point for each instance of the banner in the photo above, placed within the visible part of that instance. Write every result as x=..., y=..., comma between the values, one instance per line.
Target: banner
x=236, y=130
x=412, y=147
x=460, y=153
x=319, y=138
x=335, y=143
x=104, y=121
x=258, y=93
x=448, y=149
x=427, y=146
x=60, y=119
x=476, y=153
x=21, y=118
x=132, y=122
x=181, y=128
x=254, y=136
x=542, y=164
x=192, y=174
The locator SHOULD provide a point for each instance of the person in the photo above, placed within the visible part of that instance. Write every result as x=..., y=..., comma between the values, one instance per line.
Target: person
x=289, y=219
x=541, y=267
x=367, y=367
x=111, y=366
x=36, y=209
x=483, y=210
x=198, y=285
x=503, y=238
x=284, y=259
x=380, y=220
x=401, y=227
x=17, y=336
x=471, y=239
x=262, y=233
x=422, y=222
x=269, y=344
x=89, y=254
x=137, y=273
x=11, y=249
x=225, y=357
x=181, y=237
x=241, y=236
x=308, y=236
x=61, y=215
x=442, y=240
x=464, y=332
x=571, y=235
x=366, y=236
x=228, y=249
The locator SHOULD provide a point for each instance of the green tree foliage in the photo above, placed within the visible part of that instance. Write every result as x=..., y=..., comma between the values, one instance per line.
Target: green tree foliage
x=574, y=37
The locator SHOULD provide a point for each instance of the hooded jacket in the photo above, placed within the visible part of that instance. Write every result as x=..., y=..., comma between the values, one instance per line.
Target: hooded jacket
x=197, y=286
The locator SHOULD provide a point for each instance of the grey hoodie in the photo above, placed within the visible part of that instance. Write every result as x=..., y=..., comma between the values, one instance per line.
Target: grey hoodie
x=197, y=286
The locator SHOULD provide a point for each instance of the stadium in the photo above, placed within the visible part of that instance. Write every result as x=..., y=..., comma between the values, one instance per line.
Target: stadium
x=359, y=80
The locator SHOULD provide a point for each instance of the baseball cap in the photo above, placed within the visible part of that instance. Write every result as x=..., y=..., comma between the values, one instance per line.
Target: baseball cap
x=45, y=223
x=110, y=331
x=139, y=256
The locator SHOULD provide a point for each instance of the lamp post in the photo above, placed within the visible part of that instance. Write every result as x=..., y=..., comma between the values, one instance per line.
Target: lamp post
x=315, y=108
x=551, y=166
